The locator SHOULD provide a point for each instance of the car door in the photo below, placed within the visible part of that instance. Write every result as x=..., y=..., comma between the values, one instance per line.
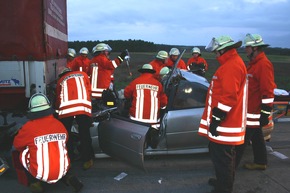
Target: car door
x=187, y=101
x=123, y=139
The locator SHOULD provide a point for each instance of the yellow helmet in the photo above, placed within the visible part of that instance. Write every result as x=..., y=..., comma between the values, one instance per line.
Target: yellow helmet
x=254, y=40
x=101, y=47
x=38, y=102
x=162, y=55
x=147, y=68
x=174, y=51
x=39, y=106
x=165, y=70
x=84, y=50
x=222, y=42
x=195, y=50
x=71, y=52
x=64, y=71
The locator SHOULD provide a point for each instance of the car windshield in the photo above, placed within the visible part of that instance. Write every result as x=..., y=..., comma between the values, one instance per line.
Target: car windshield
x=189, y=95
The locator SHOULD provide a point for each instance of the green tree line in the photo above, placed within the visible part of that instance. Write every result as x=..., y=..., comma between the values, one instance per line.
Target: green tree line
x=145, y=46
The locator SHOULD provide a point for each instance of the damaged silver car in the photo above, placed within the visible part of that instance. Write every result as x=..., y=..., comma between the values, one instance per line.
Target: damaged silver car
x=118, y=136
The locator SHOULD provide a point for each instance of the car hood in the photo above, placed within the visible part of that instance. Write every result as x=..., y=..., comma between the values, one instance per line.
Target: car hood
x=191, y=77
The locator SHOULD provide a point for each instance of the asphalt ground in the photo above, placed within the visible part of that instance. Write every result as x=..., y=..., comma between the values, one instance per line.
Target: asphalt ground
x=175, y=174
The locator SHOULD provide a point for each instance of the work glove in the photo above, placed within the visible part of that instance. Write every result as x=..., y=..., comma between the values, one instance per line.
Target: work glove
x=109, y=97
x=55, y=113
x=93, y=64
x=217, y=117
x=123, y=55
x=193, y=65
x=265, y=113
x=202, y=66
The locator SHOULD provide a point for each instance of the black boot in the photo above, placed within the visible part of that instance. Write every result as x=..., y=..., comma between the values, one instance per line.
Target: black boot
x=75, y=183
x=212, y=182
x=154, y=138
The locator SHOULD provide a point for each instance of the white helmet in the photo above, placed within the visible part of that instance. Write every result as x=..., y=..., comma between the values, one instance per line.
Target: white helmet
x=38, y=102
x=174, y=51
x=101, y=47
x=195, y=50
x=162, y=55
x=222, y=42
x=147, y=68
x=254, y=40
x=65, y=70
x=71, y=52
x=38, y=106
x=165, y=70
x=84, y=50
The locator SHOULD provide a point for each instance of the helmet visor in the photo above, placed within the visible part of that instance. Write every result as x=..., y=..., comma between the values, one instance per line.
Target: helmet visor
x=215, y=44
x=212, y=45
x=108, y=48
x=250, y=40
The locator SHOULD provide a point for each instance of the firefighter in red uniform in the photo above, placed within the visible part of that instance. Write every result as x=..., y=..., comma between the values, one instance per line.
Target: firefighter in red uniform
x=148, y=98
x=73, y=102
x=197, y=63
x=159, y=62
x=82, y=62
x=223, y=120
x=173, y=55
x=102, y=69
x=71, y=54
x=261, y=98
x=41, y=143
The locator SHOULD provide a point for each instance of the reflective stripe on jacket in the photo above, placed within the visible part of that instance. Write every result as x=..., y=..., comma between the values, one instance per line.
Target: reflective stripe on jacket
x=81, y=63
x=73, y=93
x=261, y=88
x=147, y=98
x=198, y=60
x=181, y=64
x=42, y=146
x=70, y=64
x=228, y=92
x=101, y=73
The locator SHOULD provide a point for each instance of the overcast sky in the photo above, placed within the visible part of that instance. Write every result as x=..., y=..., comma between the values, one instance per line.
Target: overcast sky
x=179, y=22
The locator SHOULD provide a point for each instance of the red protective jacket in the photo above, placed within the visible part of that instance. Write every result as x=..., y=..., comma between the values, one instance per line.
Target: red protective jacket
x=42, y=146
x=181, y=64
x=102, y=73
x=158, y=64
x=228, y=92
x=70, y=64
x=147, y=98
x=198, y=60
x=261, y=88
x=81, y=63
x=73, y=95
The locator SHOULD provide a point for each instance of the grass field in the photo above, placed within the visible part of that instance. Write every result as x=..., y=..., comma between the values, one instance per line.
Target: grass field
x=281, y=67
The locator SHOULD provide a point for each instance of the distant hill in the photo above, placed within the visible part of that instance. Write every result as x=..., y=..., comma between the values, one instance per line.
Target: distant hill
x=145, y=46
